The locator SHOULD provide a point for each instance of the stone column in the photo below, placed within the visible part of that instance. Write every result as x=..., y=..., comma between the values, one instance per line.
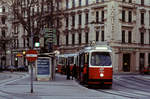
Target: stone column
x=137, y=59
x=146, y=59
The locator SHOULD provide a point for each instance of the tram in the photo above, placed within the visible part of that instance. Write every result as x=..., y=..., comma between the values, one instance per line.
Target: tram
x=60, y=63
x=63, y=60
x=94, y=65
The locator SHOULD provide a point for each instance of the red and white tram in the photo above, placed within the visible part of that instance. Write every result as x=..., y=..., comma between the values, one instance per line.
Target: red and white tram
x=94, y=65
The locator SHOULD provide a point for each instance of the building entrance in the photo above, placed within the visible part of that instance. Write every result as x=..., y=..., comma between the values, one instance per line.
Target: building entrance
x=126, y=62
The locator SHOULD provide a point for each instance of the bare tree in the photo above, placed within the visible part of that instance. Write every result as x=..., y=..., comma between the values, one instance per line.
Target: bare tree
x=31, y=15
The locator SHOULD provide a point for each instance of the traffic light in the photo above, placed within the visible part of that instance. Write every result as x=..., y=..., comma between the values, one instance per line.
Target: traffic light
x=36, y=42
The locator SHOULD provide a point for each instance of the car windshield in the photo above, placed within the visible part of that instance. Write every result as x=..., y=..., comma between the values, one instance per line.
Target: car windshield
x=100, y=59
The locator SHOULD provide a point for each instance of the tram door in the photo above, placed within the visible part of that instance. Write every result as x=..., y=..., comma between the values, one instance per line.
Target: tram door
x=126, y=62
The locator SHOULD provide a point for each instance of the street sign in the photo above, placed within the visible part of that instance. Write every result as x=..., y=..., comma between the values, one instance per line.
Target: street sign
x=19, y=55
x=31, y=55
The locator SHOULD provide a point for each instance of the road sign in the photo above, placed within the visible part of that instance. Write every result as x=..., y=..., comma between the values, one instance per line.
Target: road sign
x=31, y=55
x=19, y=55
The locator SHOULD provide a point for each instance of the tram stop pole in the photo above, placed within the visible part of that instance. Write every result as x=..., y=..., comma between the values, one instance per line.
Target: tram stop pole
x=31, y=56
x=31, y=65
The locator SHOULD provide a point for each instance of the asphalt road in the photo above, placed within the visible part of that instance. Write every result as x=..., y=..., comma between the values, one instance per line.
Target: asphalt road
x=17, y=86
x=130, y=86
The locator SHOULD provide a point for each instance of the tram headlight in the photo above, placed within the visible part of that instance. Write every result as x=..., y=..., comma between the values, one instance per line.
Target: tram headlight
x=101, y=75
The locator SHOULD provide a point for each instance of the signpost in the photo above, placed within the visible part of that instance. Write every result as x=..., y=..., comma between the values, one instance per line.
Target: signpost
x=31, y=56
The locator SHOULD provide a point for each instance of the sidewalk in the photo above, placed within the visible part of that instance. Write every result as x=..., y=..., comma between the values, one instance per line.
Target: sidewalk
x=60, y=88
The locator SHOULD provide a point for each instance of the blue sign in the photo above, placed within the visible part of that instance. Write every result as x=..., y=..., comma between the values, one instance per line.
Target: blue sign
x=43, y=66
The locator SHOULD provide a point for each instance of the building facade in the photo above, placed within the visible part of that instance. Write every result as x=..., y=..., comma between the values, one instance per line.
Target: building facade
x=124, y=24
x=5, y=35
x=15, y=38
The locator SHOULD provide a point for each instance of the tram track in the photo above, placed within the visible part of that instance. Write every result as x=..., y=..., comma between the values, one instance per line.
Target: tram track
x=117, y=94
x=127, y=91
x=120, y=81
x=142, y=92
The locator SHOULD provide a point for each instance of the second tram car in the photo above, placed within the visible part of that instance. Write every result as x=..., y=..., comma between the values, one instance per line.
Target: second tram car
x=63, y=61
x=60, y=63
x=94, y=65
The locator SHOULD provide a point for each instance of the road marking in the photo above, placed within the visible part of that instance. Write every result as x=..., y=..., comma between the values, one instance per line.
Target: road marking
x=8, y=81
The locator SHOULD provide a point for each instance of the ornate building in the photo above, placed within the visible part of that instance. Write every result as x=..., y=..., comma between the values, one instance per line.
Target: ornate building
x=23, y=22
x=124, y=24
x=5, y=34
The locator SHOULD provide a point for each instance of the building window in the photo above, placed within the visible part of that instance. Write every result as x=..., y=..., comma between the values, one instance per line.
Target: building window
x=67, y=21
x=102, y=16
x=73, y=39
x=3, y=33
x=58, y=22
x=97, y=1
x=87, y=2
x=102, y=0
x=123, y=0
x=123, y=36
x=142, y=38
x=73, y=3
x=80, y=1
x=86, y=18
x=123, y=15
x=3, y=20
x=148, y=59
x=58, y=38
x=3, y=9
x=142, y=18
x=149, y=36
x=142, y=2
x=97, y=35
x=67, y=39
x=86, y=37
x=102, y=36
x=73, y=20
x=149, y=17
x=57, y=6
x=80, y=19
x=97, y=16
x=141, y=61
x=80, y=38
x=130, y=16
x=129, y=37
x=67, y=4
x=130, y=1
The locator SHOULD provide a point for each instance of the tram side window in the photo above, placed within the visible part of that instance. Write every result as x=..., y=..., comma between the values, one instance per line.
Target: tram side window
x=71, y=59
x=61, y=60
x=101, y=59
x=82, y=60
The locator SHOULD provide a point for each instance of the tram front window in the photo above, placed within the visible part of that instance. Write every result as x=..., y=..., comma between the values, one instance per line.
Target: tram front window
x=100, y=59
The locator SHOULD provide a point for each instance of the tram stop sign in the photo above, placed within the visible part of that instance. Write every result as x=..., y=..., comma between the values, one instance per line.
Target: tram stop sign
x=31, y=55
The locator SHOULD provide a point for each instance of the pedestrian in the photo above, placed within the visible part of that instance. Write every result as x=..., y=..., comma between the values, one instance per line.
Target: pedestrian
x=74, y=72
x=68, y=71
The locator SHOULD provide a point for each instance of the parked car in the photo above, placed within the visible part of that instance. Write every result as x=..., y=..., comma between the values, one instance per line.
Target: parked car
x=146, y=70
x=11, y=68
x=22, y=68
